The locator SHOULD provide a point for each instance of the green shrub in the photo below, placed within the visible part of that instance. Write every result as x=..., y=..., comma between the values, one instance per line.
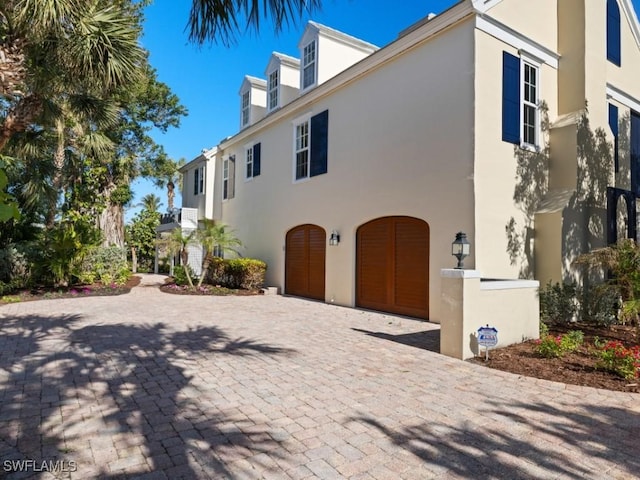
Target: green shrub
x=245, y=273
x=600, y=304
x=106, y=265
x=15, y=266
x=560, y=345
x=179, y=277
x=614, y=357
x=558, y=303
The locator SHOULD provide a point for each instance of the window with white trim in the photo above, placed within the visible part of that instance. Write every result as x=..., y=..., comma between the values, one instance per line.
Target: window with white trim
x=520, y=100
x=311, y=146
x=228, y=177
x=245, y=109
x=198, y=180
x=309, y=65
x=530, y=104
x=273, y=89
x=302, y=150
x=249, y=162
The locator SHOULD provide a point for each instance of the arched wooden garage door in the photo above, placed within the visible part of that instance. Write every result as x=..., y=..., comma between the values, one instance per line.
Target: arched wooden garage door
x=304, y=262
x=393, y=266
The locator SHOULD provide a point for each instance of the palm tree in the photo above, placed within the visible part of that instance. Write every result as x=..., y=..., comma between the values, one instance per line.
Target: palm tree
x=213, y=20
x=151, y=203
x=214, y=234
x=178, y=244
x=62, y=48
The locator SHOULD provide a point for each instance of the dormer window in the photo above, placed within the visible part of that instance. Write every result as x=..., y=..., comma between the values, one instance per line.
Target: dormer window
x=273, y=88
x=245, y=109
x=309, y=65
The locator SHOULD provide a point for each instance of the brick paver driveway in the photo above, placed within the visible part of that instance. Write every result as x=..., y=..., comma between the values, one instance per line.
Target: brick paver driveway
x=149, y=385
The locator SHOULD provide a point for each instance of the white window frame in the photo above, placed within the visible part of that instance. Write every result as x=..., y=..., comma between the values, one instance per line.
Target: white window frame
x=225, y=179
x=248, y=162
x=528, y=61
x=198, y=181
x=273, y=90
x=304, y=119
x=308, y=62
x=245, y=108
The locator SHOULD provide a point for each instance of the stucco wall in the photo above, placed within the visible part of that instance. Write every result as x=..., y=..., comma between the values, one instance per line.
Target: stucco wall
x=496, y=176
x=400, y=143
x=531, y=19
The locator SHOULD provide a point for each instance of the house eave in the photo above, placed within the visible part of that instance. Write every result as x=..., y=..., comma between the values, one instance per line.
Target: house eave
x=400, y=46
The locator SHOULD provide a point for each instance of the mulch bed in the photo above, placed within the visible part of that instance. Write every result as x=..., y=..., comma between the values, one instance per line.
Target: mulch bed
x=75, y=291
x=174, y=289
x=578, y=368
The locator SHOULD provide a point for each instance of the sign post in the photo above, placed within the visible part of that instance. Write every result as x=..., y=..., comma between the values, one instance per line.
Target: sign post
x=487, y=338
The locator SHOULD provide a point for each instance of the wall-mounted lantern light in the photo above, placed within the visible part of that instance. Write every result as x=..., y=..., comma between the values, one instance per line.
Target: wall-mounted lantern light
x=334, y=239
x=460, y=248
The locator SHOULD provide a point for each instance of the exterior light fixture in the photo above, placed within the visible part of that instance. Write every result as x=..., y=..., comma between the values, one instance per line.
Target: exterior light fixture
x=334, y=239
x=460, y=248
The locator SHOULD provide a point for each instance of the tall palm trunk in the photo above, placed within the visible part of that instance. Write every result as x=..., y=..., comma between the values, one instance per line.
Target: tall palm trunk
x=170, y=194
x=110, y=222
x=58, y=164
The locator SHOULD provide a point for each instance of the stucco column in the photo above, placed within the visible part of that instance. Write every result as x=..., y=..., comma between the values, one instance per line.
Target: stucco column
x=459, y=291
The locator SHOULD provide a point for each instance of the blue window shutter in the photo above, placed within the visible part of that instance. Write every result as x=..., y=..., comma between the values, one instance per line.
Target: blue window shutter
x=510, y=98
x=635, y=153
x=613, y=32
x=256, y=159
x=613, y=125
x=319, y=143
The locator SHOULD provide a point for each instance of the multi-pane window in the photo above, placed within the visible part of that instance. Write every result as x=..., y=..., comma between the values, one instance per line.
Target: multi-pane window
x=309, y=65
x=245, y=108
x=250, y=162
x=273, y=90
x=225, y=178
x=302, y=150
x=530, y=104
x=198, y=180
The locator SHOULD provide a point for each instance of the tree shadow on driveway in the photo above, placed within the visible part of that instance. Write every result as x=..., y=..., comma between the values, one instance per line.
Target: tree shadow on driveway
x=131, y=397
x=519, y=440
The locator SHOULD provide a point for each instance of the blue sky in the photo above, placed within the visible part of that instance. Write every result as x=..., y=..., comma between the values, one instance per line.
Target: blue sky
x=207, y=79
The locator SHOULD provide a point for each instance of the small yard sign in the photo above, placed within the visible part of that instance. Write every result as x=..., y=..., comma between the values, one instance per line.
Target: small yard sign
x=487, y=338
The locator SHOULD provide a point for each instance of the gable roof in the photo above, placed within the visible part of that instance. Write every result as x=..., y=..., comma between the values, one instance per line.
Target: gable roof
x=314, y=28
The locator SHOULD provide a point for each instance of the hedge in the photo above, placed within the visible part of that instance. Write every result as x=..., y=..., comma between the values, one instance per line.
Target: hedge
x=246, y=273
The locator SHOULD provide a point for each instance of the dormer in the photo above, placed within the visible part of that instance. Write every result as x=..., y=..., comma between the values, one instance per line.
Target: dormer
x=326, y=52
x=253, y=100
x=283, y=79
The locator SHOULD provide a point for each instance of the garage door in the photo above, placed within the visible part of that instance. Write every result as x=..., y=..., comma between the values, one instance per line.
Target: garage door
x=393, y=266
x=304, y=262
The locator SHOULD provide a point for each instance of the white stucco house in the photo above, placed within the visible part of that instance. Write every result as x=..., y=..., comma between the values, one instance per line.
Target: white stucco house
x=355, y=166
x=198, y=177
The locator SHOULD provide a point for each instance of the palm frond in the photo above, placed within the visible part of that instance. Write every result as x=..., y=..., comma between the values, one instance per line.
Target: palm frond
x=219, y=20
x=106, y=48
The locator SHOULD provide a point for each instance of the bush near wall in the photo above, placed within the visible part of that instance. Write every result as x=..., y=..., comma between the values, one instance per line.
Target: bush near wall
x=565, y=303
x=245, y=273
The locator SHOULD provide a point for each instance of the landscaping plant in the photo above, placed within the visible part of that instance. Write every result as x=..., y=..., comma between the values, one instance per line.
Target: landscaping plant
x=558, y=346
x=615, y=357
